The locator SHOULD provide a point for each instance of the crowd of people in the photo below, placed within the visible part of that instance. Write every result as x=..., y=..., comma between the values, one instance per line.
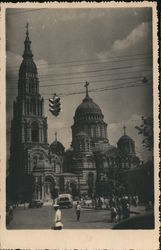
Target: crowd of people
x=119, y=206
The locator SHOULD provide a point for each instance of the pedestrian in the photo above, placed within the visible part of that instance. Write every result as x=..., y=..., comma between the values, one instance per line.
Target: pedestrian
x=119, y=211
x=58, y=225
x=99, y=203
x=137, y=200
x=127, y=210
x=113, y=214
x=78, y=210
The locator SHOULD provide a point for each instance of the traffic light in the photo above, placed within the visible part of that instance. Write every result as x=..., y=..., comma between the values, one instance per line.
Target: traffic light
x=55, y=105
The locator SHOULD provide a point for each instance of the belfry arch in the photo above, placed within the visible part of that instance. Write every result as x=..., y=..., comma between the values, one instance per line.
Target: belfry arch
x=34, y=132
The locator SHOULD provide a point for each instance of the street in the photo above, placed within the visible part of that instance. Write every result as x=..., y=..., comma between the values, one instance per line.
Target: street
x=42, y=218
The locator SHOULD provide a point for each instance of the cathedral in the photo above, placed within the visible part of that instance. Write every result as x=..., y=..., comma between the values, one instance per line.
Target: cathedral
x=83, y=167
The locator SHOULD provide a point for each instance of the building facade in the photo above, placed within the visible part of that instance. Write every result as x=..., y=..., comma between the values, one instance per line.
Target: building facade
x=30, y=153
x=85, y=167
x=91, y=155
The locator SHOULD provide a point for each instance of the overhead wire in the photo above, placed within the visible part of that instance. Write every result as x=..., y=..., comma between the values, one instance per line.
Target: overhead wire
x=93, y=71
x=79, y=83
x=106, y=88
x=110, y=88
x=93, y=61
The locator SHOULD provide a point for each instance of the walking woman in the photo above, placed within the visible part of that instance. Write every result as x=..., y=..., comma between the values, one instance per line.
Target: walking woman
x=78, y=210
x=58, y=219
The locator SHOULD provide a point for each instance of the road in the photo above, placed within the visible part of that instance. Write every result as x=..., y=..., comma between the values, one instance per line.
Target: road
x=42, y=218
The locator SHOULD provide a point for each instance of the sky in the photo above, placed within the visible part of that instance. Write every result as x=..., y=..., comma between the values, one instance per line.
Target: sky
x=111, y=48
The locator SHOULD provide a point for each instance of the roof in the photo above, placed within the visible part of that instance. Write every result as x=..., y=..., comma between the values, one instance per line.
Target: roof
x=28, y=66
x=56, y=146
x=88, y=106
x=124, y=139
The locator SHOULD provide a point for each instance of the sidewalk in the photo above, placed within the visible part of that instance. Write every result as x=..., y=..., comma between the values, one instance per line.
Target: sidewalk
x=133, y=210
x=137, y=210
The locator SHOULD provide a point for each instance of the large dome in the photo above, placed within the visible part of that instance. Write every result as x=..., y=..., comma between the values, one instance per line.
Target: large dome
x=89, y=120
x=87, y=106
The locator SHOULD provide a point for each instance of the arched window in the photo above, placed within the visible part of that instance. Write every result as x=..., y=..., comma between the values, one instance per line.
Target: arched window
x=34, y=132
x=99, y=131
x=57, y=168
x=34, y=108
x=92, y=132
x=25, y=132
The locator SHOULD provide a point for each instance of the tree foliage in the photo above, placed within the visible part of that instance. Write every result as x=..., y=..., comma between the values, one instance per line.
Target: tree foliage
x=146, y=129
x=27, y=187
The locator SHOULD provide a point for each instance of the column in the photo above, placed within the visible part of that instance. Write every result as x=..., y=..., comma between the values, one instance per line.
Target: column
x=42, y=106
x=41, y=134
x=42, y=190
x=22, y=132
x=40, y=139
x=22, y=107
x=29, y=132
x=36, y=103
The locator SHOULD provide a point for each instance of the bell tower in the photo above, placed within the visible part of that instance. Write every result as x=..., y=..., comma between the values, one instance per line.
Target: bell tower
x=29, y=125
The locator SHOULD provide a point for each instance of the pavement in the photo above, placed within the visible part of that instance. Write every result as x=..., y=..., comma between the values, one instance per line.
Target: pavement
x=43, y=218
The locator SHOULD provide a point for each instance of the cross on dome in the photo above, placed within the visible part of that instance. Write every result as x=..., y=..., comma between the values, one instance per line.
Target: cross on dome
x=86, y=86
x=124, y=128
x=55, y=136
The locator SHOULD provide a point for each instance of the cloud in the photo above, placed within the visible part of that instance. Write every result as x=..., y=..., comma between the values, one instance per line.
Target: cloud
x=140, y=33
x=139, y=39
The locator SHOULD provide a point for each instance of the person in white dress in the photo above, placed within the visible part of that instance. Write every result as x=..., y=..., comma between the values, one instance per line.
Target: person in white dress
x=58, y=225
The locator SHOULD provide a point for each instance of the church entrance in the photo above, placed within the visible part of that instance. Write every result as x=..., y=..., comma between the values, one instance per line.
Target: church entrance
x=50, y=191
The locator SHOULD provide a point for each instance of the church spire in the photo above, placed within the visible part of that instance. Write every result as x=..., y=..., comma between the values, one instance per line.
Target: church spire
x=86, y=86
x=27, y=43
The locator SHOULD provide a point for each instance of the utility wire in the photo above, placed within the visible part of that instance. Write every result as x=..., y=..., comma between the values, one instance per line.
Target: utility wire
x=98, y=90
x=101, y=90
x=95, y=76
x=106, y=88
x=50, y=78
x=96, y=70
x=96, y=61
x=113, y=85
x=78, y=83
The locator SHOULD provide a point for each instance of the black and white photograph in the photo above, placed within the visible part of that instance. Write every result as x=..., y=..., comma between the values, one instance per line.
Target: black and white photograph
x=79, y=118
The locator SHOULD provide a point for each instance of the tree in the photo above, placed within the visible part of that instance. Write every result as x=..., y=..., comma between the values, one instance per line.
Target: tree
x=74, y=189
x=27, y=187
x=146, y=129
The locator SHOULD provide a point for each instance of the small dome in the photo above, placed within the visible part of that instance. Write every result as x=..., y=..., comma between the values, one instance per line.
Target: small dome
x=56, y=147
x=126, y=144
x=125, y=138
x=87, y=107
